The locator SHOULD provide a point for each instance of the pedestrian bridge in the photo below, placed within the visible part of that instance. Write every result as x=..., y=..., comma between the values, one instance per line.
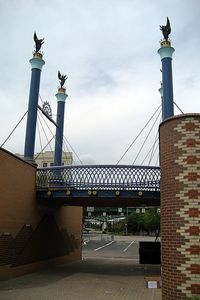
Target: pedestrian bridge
x=99, y=185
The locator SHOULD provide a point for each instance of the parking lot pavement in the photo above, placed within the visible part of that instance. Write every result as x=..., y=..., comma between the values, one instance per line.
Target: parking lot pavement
x=111, y=249
x=108, y=246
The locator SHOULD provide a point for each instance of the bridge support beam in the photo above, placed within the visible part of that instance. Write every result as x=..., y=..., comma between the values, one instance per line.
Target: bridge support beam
x=36, y=64
x=166, y=52
x=180, y=201
x=61, y=97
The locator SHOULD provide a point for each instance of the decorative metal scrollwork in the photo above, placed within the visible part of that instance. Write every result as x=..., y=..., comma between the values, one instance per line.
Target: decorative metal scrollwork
x=47, y=108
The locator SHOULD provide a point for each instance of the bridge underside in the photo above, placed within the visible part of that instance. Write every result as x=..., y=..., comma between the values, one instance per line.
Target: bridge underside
x=98, y=198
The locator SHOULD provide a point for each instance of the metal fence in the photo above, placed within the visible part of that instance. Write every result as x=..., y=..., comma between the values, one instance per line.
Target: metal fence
x=101, y=177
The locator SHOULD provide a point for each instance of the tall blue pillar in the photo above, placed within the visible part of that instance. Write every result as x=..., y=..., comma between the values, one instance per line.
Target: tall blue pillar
x=36, y=66
x=166, y=52
x=61, y=97
x=161, y=95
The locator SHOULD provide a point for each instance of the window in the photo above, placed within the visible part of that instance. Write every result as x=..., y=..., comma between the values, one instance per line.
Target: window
x=51, y=164
x=44, y=165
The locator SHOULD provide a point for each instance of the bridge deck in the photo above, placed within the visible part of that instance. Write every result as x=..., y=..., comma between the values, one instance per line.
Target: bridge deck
x=104, y=185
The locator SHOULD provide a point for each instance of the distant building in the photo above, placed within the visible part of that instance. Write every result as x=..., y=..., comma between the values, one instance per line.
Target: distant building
x=46, y=158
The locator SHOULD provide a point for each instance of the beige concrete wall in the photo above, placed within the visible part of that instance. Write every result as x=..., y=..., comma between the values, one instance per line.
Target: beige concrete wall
x=17, y=197
x=32, y=236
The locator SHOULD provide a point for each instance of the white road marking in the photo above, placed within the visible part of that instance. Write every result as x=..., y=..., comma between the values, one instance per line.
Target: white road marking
x=106, y=245
x=128, y=246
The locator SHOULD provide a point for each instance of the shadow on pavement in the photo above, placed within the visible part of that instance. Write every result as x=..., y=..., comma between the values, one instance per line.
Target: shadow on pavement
x=112, y=267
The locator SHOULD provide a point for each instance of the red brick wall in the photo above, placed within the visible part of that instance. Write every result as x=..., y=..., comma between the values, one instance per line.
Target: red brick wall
x=180, y=199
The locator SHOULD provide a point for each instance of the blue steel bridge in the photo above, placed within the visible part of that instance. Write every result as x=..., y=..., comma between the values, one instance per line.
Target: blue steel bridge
x=105, y=185
x=99, y=185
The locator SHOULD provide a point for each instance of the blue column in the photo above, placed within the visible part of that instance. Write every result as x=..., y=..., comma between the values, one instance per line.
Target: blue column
x=61, y=97
x=36, y=64
x=161, y=95
x=166, y=52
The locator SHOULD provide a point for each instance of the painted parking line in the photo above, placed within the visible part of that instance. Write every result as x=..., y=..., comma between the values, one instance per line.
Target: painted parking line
x=106, y=245
x=128, y=246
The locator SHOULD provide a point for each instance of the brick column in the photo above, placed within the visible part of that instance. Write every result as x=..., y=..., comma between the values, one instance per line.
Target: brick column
x=180, y=199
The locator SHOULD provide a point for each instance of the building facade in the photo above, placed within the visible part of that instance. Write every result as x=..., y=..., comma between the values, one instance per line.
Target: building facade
x=46, y=159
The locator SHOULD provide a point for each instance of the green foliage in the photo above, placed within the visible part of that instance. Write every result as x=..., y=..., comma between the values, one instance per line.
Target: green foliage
x=136, y=223
x=119, y=227
x=92, y=225
x=193, y=298
x=95, y=226
x=148, y=222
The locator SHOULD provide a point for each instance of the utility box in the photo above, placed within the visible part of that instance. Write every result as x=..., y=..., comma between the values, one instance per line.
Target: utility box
x=149, y=253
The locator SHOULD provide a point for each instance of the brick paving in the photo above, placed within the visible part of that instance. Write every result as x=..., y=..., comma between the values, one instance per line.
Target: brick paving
x=91, y=279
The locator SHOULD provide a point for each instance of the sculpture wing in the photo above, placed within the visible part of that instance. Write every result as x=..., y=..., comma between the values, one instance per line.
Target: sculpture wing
x=35, y=37
x=59, y=75
x=168, y=26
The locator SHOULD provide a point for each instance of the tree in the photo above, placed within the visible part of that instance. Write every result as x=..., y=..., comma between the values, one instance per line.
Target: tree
x=149, y=222
x=133, y=222
x=119, y=226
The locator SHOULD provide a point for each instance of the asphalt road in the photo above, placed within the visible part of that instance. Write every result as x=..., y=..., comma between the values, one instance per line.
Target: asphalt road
x=108, y=246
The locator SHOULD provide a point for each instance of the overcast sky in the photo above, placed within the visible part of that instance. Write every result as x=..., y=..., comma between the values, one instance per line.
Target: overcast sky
x=108, y=49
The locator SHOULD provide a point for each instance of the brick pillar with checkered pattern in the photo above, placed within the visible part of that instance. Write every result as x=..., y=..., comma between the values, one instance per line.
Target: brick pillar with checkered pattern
x=180, y=206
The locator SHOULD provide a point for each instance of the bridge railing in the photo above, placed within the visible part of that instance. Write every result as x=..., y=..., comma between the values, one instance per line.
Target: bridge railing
x=114, y=177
